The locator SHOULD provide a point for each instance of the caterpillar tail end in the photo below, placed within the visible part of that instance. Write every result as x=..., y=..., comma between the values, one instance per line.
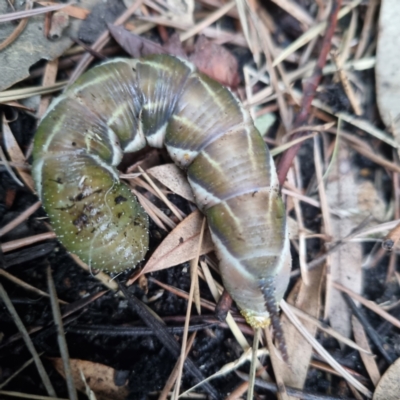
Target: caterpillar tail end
x=268, y=289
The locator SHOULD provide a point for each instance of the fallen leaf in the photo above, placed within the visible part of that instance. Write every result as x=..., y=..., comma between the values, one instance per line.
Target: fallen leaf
x=216, y=61
x=99, y=377
x=308, y=299
x=174, y=179
x=180, y=245
x=369, y=360
x=135, y=45
x=345, y=263
x=387, y=70
x=32, y=46
x=389, y=386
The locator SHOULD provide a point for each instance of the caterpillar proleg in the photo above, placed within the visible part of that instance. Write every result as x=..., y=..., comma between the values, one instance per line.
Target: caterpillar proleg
x=122, y=105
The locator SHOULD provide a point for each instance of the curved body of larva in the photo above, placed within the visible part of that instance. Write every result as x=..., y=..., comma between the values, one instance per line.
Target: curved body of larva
x=122, y=105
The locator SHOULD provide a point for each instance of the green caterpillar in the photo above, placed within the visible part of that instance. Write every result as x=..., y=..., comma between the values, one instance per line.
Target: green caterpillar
x=122, y=105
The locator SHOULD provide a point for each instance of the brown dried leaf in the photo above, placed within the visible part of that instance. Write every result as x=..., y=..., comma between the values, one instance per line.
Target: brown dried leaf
x=138, y=46
x=306, y=298
x=180, y=245
x=99, y=377
x=345, y=264
x=389, y=386
x=369, y=360
x=216, y=61
x=174, y=179
x=135, y=45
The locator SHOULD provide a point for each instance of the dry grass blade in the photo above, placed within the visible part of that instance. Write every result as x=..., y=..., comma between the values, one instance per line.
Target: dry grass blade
x=229, y=319
x=154, y=212
x=100, y=276
x=62, y=343
x=28, y=396
x=19, y=243
x=208, y=305
x=294, y=393
x=16, y=373
x=368, y=359
x=8, y=167
x=28, y=342
x=331, y=361
x=16, y=154
x=19, y=94
x=178, y=214
x=359, y=123
x=207, y=21
x=193, y=285
x=369, y=304
x=18, y=29
x=165, y=337
x=347, y=85
x=25, y=285
x=296, y=11
x=174, y=374
x=29, y=13
x=323, y=327
x=312, y=33
x=276, y=365
x=22, y=217
x=367, y=28
x=230, y=367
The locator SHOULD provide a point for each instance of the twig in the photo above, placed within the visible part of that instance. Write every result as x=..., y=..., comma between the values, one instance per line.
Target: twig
x=299, y=394
x=194, y=279
x=18, y=29
x=369, y=304
x=62, y=343
x=310, y=89
x=22, y=217
x=165, y=337
x=17, y=320
x=371, y=332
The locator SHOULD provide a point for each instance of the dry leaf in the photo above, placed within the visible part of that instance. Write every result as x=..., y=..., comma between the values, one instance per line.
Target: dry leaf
x=216, y=61
x=180, y=245
x=387, y=70
x=32, y=46
x=174, y=179
x=345, y=263
x=389, y=386
x=306, y=298
x=99, y=377
x=135, y=45
x=368, y=360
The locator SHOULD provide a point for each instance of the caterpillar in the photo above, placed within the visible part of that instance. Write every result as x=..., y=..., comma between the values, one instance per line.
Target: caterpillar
x=123, y=105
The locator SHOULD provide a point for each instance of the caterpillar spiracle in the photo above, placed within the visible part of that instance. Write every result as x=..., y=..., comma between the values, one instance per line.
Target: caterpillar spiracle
x=121, y=106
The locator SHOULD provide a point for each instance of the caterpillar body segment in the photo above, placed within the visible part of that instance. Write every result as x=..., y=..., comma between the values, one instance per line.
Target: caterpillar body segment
x=122, y=105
